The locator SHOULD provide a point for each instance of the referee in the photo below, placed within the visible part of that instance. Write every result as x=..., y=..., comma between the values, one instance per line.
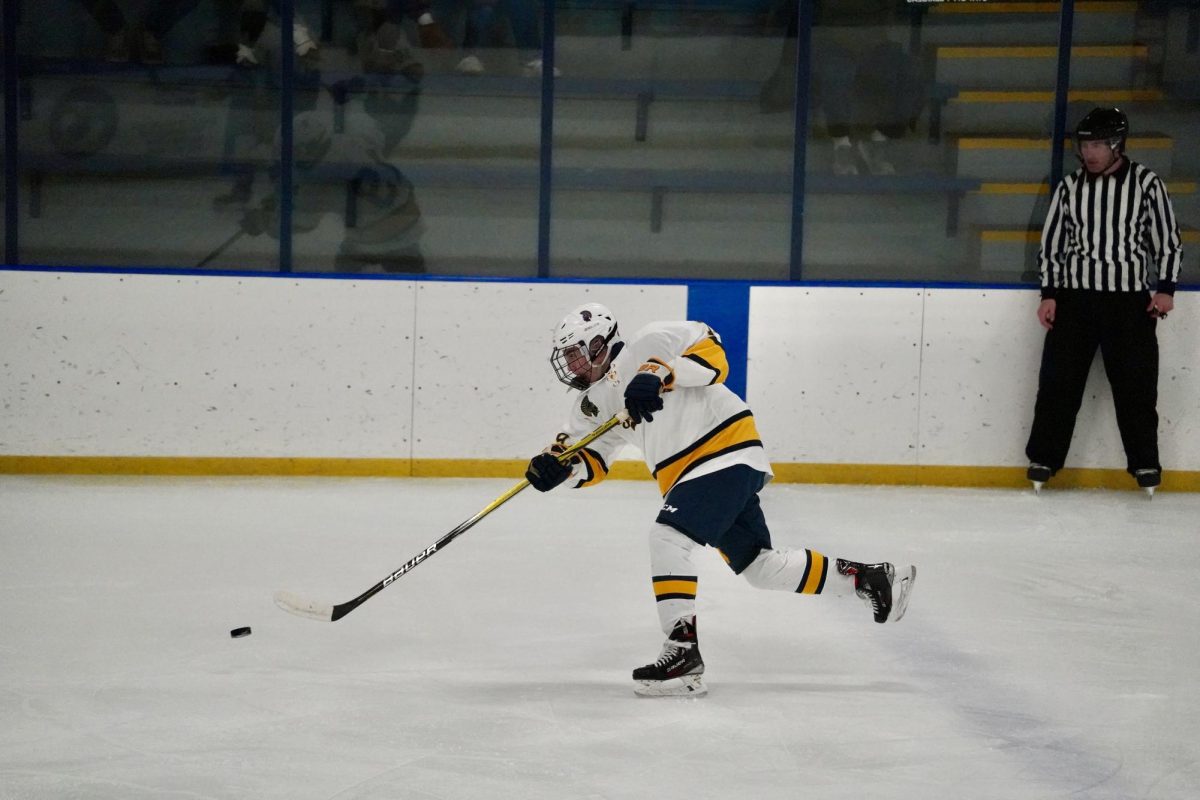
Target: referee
x=1110, y=224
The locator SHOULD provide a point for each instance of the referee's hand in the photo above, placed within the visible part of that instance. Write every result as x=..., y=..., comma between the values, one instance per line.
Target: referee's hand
x=1046, y=312
x=1160, y=304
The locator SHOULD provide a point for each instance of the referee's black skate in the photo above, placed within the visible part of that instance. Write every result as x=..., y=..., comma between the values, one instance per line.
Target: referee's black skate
x=678, y=670
x=1148, y=479
x=884, y=588
x=1038, y=474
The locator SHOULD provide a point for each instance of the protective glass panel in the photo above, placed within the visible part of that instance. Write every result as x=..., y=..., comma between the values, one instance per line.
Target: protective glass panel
x=1149, y=66
x=135, y=122
x=416, y=140
x=673, y=140
x=926, y=137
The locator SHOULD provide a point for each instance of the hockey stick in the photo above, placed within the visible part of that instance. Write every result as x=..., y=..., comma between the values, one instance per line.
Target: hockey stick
x=326, y=613
x=219, y=249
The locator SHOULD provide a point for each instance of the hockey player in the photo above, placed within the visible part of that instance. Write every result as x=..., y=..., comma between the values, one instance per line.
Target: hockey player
x=699, y=440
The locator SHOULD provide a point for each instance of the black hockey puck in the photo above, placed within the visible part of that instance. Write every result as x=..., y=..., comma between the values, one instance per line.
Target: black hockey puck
x=238, y=633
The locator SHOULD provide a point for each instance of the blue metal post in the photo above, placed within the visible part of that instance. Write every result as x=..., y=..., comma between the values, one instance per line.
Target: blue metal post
x=804, y=14
x=546, y=141
x=1066, y=22
x=287, y=105
x=11, y=173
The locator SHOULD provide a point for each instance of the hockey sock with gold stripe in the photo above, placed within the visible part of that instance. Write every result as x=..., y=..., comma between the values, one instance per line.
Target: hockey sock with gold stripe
x=673, y=576
x=800, y=571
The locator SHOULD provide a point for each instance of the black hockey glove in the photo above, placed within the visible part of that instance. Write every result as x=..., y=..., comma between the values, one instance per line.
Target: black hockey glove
x=643, y=396
x=546, y=471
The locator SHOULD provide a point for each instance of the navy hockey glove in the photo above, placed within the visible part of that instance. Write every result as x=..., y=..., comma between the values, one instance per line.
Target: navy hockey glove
x=643, y=396
x=546, y=471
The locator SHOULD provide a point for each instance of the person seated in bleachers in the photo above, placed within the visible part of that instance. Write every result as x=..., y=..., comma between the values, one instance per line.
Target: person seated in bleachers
x=252, y=22
x=371, y=15
x=863, y=82
x=347, y=184
x=481, y=20
x=159, y=17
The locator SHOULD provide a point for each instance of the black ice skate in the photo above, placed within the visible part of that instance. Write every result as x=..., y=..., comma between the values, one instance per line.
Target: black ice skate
x=884, y=589
x=678, y=670
x=1038, y=474
x=1148, y=479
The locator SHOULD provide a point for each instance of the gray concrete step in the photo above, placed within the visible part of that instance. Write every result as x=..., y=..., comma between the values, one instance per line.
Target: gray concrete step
x=1021, y=67
x=1028, y=23
x=1000, y=111
x=1027, y=158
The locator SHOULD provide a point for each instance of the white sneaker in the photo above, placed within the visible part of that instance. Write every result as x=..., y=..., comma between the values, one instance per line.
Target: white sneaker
x=302, y=39
x=843, y=159
x=534, y=69
x=470, y=65
x=246, y=56
x=872, y=153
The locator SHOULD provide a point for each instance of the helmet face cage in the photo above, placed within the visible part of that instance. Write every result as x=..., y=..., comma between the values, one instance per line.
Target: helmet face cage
x=583, y=345
x=580, y=367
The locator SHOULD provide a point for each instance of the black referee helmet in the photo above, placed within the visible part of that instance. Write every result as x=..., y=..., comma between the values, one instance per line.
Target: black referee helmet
x=1103, y=124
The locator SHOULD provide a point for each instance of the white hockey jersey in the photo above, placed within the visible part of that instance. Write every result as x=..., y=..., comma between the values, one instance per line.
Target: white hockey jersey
x=703, y=426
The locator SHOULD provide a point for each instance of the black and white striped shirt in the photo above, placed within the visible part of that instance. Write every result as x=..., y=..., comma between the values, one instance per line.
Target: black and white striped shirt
x=1103, y=231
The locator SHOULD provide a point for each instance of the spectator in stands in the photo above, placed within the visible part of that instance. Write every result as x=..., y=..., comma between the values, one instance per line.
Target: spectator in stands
x=159, y=17
x=252, y=22
x=864, y=83
x=1109, y=237
x=345, y=172
x=480, y=24
x=373, y=14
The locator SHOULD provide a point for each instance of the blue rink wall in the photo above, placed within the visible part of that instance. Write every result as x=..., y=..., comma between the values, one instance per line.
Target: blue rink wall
x=107, y=372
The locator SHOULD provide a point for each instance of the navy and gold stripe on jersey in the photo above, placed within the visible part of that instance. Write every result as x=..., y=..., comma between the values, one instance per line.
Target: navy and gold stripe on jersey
x=674, y=587
x=593, y=464
x=736, y=433
x=813, y=580
x=709, y=354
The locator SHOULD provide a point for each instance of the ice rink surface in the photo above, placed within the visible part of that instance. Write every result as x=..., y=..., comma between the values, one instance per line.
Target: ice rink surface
x=1051, y=650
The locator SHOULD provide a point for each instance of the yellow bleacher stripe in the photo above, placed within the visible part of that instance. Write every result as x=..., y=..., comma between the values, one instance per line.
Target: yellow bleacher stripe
x=1013, y=188
x=1085, y=51
x=1010, y=236
x=675, y=587
x=1036, y=235
x=1174, y=187
x=1098, y=95
x=1043, y=143
x=1030, y=8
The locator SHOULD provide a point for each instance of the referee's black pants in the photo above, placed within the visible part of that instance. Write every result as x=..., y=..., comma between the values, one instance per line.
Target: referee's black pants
x=1118, y=324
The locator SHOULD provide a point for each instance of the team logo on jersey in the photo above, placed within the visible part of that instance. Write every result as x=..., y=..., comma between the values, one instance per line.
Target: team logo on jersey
x=588, y=407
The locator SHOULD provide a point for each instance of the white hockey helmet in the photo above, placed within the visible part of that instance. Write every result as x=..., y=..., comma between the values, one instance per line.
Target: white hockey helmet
x=584, y=344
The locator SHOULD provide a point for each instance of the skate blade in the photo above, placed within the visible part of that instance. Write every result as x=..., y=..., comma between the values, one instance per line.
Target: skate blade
x=1037, y=486
x=687, y=686
x=902, y=588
